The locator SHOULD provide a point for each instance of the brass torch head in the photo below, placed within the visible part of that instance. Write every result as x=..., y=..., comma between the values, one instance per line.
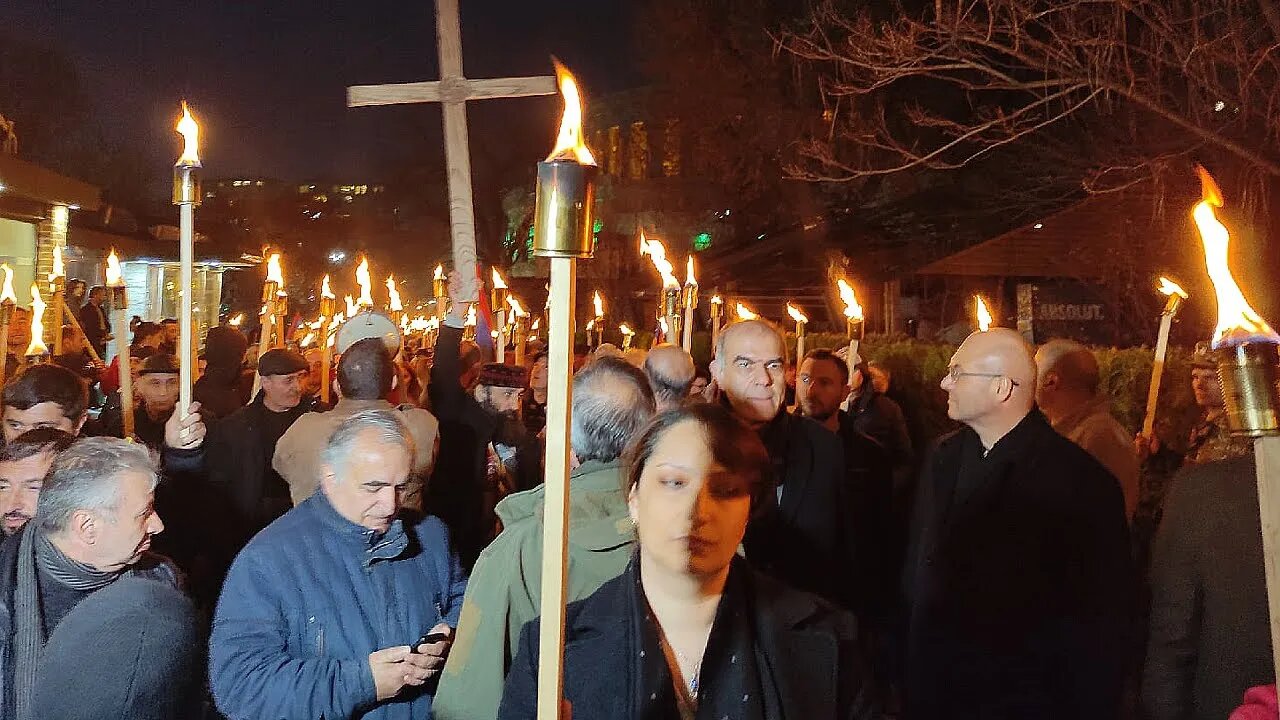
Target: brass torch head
x=1248, y=373
x=671, y=297
x=565, y=209
x=186, y=185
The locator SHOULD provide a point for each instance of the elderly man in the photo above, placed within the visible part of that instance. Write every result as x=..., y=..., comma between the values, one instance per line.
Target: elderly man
x=807, y=538
x=44, y=396
x=366, y=377
x=155, y=396
x=341, y=608
x=670, y=371
x=1067, y=394
x=612, y=402
x=1018, y=579
x=313, y=382
x=94, y=522
x=240, y=451
x=23, y=464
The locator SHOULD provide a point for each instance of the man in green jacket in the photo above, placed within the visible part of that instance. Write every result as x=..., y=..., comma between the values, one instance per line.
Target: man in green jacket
x=612, y=402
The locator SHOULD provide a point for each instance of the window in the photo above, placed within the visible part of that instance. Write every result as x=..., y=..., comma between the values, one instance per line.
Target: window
x=638, y=152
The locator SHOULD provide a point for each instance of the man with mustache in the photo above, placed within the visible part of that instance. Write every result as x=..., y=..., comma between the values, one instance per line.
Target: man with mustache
x=23, y=465
x=93, y=525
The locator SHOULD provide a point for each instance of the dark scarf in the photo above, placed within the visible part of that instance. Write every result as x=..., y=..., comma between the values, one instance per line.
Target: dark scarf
x=37, y=550
x=729, y=684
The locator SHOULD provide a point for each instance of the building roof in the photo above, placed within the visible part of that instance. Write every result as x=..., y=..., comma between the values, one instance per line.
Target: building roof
x=30, y=181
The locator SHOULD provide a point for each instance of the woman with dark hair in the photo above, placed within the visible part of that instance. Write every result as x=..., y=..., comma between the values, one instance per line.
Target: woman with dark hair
x=689, y=630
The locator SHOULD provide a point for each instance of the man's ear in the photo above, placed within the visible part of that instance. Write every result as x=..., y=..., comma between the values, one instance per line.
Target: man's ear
x=85, y=526
x=714, y=367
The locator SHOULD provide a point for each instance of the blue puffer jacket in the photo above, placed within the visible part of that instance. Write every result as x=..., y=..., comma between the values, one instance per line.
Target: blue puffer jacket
x=307, y=601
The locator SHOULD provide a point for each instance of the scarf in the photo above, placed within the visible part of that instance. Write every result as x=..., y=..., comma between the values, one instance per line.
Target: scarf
x=35, y=549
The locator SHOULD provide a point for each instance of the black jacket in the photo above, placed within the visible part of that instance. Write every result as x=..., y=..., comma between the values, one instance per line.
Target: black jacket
x=1018, y=580
x=96, y=326
x=1209, y=636
x=807, y=648
x=807, y=539
x=238, y=463
x=151, y=567
x=869, y=485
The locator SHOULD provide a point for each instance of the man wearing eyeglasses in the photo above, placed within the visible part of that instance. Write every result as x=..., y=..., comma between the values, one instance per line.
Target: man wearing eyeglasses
x=1018, y=579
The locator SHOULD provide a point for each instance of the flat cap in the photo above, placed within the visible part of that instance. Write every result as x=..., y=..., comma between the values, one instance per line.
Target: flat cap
x=281, y=362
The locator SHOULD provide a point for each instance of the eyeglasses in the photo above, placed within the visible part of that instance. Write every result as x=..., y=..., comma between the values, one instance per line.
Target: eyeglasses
x=955, y=373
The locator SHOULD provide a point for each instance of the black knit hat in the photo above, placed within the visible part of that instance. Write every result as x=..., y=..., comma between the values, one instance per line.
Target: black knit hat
x=160, y=363
x=130, y=650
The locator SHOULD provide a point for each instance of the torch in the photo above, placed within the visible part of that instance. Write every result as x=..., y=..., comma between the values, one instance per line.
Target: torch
x=469, y=327
x=328, y=307
x=563, y=233
x=598, y=302
x=518, y=314
x=746, y=313
x=853, y=317
x=439, y=290
x=120, y=322
x=1176, y=295
x=498, y=301
x=627, y=335
x=58, y=288
x=8, y=301
x=37, y=351
x=690, y=304
x=365, y=301
x=270, y=294
x=393, y=302
x=717, y=310
x=801, y=322
x=186, y=195
x=1248, y=374
x=669, y=309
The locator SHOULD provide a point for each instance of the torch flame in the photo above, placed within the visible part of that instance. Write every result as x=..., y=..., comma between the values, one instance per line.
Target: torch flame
x=1237, y=321
x=599, y=303
x=498, y=282
x=570, y=144
x=625, y=329
x=1169, y=287
x=689, y=279
x=394, y=305
x=58, y=270
x=37, y=346
x=191, y=138
x=852, y=309
x=984, y=315
x=325, y=291
x=274, y=273
x=745, y=313
x=307, y=339
x=715, y=300
x=235, y=321
x=658, y=253
x=352, y=309
x=114, y=278
x=795, y=314
x=6, y=290
x=516, y=308
x=365, y=283
x=591, y=324
x=471, y=316
x=439, y=273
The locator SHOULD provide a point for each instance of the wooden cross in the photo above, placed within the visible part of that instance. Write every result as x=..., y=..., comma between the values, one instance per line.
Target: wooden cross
x=453, y=90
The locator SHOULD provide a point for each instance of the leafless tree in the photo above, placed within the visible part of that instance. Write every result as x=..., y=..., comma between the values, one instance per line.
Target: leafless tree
x=962, y=79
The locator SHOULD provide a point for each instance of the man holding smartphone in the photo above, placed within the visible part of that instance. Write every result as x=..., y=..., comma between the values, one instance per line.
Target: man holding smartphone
x=320, y=612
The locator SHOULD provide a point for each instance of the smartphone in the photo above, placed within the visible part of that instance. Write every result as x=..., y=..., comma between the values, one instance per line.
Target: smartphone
x=428, y=639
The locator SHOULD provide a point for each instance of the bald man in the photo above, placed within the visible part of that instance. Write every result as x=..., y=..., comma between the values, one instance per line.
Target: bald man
x=1018, y=579
x=670, y=371
x=1067, y=394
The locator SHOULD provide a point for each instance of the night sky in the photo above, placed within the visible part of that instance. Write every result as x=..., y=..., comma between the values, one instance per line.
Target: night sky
x=267, y=78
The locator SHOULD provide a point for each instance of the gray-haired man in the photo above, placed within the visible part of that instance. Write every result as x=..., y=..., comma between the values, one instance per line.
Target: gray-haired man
x=94, y=522
x=327, y=612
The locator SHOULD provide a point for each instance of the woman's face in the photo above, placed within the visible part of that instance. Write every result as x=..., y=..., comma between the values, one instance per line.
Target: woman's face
x=689, y=511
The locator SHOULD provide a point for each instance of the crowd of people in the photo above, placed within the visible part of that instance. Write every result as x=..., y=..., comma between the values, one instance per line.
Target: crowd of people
x=738, y=546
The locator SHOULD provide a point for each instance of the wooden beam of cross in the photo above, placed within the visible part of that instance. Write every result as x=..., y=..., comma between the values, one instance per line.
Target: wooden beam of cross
x=453, y=90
